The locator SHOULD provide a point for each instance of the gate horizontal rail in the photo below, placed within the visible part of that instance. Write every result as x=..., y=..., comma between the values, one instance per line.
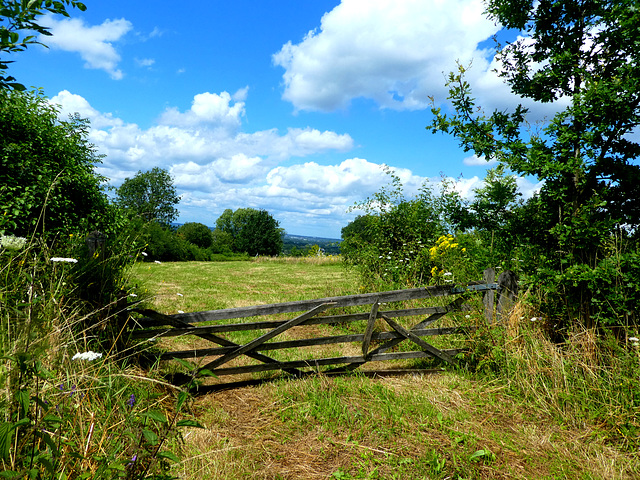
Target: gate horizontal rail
x=227, y=350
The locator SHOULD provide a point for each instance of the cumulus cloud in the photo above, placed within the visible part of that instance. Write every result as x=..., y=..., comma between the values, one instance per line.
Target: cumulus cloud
x=93, y=43
x=475, y=161
x=69, y=104
x=392, y=52
x=208, y=108
x=215, y=169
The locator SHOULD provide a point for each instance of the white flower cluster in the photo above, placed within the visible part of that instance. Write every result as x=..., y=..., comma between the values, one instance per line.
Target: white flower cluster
x=10, y=242
x=62, y=259
x=89, y=356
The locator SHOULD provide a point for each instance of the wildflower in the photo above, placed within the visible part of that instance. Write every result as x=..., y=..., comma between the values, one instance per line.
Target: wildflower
x=66, y=260
x=133, y=460
x=144, y=254
x=467, y=316
x=533, y=319
x=132, y=400
x=133, y=295
x=464, y=250
x=89, y=356
x=10, y=242
x=634, y=341
x=157, y=261
x=434, y=271
x=447, y=274
x=180, y=295
x=180, y=311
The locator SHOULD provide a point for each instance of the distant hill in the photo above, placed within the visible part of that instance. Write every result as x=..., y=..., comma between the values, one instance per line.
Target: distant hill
x=300, y=243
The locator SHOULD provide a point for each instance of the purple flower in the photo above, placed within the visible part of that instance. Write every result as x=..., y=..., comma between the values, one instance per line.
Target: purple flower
x=133, y=460
x=132, y=400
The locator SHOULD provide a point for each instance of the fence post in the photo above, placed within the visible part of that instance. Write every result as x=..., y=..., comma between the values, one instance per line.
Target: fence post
x=95, y=243
x=507, y=292
x=489, y=276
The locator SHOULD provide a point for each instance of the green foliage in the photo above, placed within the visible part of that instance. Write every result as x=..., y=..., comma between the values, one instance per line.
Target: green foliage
x=47, y=177
x=389, y=244
x=150, y=196
x=17, y=17
x=196, y=233
x=252, y=231
x=585, y=53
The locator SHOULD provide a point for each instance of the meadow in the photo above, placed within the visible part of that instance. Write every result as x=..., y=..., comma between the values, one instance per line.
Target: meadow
x=454, y=424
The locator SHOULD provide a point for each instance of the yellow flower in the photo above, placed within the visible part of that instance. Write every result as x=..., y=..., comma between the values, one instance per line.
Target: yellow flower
x=434, y=271
x=464, y=250
x=453, y=245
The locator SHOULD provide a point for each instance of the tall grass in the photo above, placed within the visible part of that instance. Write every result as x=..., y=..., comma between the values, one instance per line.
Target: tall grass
x=70, y=407
x=587, y=381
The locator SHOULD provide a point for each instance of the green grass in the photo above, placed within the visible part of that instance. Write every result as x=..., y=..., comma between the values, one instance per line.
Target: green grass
x=450, y=425
x=200, y=286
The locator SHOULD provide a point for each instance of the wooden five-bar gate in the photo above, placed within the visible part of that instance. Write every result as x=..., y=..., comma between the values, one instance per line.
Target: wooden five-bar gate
x=153, y=325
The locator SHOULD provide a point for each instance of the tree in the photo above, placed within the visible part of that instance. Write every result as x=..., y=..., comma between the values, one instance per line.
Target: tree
x=19, y=16
x=196, y=233
x=47, y=171
x=583, y=51
x=150, y=195
x=253, y=231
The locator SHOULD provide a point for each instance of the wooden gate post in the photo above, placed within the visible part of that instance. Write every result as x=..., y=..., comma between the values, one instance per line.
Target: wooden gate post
x=507, y=292
x=488, y=299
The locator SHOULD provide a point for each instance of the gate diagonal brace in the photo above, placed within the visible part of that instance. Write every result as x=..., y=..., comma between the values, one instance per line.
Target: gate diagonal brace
x=418, y=341
x=247, y=348
x=212, y=338
x=455, y=305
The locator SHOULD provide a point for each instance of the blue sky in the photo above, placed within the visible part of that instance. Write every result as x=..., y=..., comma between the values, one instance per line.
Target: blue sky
x=288, y=106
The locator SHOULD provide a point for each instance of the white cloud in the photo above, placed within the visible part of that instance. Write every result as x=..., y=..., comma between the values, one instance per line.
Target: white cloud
x=351, y=178
x=70, y=104
x=215, y=169
x=210, y=109
x=392, y=52
x=145, y=62
x=93, y=43
x=475, y=161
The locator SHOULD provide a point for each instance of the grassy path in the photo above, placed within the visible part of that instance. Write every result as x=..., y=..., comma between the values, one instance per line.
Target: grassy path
x=446, y=426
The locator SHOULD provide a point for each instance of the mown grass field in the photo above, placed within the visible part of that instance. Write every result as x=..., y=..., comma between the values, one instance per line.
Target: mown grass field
x=448, y=425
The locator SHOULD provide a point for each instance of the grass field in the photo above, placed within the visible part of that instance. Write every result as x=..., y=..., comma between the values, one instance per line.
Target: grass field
x=448, y=425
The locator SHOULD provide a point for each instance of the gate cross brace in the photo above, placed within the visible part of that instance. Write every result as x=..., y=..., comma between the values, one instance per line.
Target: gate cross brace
x=212, y=338
x=418, y=341
x=247, y=348
x=456, y=304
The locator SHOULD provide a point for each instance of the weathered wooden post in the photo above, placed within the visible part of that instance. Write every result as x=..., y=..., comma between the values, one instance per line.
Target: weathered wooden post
x=488, y=299
x=507, y=292
x=95, y=243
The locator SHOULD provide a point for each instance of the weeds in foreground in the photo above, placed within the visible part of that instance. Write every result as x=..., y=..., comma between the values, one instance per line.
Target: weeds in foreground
x=67, y=411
